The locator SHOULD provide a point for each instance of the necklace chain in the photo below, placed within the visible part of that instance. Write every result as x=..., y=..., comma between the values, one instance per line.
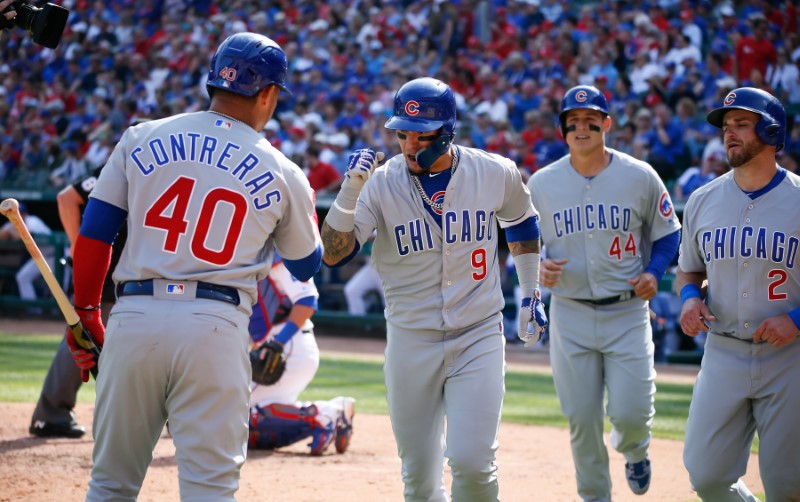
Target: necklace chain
x=418, y=184
x=226, y=116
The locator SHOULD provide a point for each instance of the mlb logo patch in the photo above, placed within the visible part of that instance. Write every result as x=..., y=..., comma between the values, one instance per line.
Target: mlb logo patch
x=175, y=289
x=222, y=123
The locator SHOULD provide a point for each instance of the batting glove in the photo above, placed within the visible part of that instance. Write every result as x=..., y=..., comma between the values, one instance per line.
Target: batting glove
x=360, y=167
x=532, y=319
x=85, y=359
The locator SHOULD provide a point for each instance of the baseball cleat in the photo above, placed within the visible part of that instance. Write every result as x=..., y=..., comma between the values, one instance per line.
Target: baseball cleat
x=638, y=475
x=70, y=429
x=344, y=426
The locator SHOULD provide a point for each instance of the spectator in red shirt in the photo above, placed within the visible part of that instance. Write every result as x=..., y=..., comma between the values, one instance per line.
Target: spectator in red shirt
x=754, y=51
x=322, y=176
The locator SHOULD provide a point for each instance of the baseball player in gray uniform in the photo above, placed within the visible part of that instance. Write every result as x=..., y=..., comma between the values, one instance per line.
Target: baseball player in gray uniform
x=609, y=234
x=741, y=235
x=206, y=198
x=436, y=208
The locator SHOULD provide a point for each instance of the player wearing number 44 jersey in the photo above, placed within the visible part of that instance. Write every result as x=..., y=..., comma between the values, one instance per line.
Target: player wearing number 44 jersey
x=609, y=233
x=742, y=234
x=207, y=199
x=436, y=208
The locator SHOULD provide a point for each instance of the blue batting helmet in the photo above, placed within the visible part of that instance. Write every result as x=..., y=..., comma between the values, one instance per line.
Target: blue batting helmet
x=424, y=104
x=245, y=63
x=581, y=96
x=770, y=128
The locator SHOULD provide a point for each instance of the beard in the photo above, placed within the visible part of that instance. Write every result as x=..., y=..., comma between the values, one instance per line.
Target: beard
x=747, y=152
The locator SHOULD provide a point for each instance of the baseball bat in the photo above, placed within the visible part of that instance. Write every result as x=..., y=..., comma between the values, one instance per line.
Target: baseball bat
x=10, y=209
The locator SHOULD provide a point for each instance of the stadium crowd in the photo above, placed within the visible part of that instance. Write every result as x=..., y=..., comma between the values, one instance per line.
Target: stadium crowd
x=661, y=63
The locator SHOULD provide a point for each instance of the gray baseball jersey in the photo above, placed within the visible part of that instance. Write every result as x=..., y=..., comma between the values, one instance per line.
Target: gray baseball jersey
x=444, y=320
x=460, y=285
x=207, y=226
x=749, y=249
x=604, y=226
x=207, y=198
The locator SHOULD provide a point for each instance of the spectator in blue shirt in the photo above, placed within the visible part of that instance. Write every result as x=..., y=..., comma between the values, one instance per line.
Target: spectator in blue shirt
x=550, y=147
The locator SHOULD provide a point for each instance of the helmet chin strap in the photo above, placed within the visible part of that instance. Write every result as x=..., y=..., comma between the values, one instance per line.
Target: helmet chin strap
x=440, y=146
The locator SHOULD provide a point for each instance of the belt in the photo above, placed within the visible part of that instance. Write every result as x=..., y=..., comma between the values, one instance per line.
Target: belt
x=627, y=295
x=205, y=291
x=728, y=334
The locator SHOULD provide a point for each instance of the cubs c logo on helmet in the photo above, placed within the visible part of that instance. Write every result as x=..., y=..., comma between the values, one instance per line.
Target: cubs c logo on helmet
x=730, y=98
x=581, y=96
x=412, y=108
x=665, y=205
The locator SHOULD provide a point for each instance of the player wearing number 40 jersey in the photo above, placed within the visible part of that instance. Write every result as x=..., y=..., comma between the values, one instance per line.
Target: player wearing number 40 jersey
x=207, y=199
x=742, y=234
x=609, y=233
x=436, y=208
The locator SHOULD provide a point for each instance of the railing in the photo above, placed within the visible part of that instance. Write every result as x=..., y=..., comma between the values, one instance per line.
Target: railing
x=12, y=256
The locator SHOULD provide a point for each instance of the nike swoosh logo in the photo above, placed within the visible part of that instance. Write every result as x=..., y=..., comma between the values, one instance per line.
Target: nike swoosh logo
x=435, y=174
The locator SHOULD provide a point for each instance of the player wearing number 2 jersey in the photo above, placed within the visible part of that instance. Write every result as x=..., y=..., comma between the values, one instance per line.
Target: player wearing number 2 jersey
x=436, y=208
x=206, y=199
x=603, y=209
x=742, y=234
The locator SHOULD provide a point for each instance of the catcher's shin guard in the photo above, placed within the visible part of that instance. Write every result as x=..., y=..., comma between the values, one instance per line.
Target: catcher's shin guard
x=277, y=425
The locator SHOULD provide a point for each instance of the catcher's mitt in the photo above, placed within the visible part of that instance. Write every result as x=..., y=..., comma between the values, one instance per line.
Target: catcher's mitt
x=268, y=362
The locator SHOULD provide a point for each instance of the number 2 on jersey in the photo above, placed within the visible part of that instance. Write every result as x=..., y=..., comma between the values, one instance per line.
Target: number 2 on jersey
x=616, y=250
x=779, y=277
x=175, y=223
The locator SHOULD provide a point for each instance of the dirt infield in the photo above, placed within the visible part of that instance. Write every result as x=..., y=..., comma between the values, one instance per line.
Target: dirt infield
x=534, y=462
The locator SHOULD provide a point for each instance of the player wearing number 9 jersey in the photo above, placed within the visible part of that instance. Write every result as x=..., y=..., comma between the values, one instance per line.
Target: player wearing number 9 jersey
x=206, y=199
x=436, y=208
x=609, y=233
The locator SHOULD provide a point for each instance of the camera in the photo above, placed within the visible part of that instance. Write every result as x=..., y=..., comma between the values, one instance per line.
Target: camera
x=46, y=24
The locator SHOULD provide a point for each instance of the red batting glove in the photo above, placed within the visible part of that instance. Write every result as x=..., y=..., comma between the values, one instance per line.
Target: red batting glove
x=92, y=322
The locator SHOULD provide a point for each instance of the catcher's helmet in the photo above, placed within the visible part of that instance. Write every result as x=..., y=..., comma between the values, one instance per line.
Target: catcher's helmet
x=581, y=96
x=245, y=63
x=770, y=128
x=422, y=105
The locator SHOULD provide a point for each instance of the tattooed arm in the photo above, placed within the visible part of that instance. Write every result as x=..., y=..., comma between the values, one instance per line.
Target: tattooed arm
x=338, y=245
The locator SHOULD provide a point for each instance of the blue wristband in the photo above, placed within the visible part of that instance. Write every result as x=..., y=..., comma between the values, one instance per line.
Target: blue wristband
x=690, y=291
x=287, y=332
x=794, y=315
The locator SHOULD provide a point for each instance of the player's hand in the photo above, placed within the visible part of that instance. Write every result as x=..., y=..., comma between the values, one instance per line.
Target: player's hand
x=85, y=359
x=777, y=331
x=644, y=285
x=532, y=319
x=550, y=271
x=695, y=316
x=360, y=167
x=11, y=14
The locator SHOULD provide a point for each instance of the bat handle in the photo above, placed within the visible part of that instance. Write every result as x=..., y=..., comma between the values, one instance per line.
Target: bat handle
x=84, y=339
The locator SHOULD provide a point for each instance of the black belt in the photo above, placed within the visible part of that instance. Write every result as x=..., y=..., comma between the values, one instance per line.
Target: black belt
x=727, y=334
x=627, y=295
x=205, y=290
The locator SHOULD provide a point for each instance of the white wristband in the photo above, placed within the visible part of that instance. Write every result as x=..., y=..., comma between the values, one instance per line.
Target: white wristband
x=528, y=272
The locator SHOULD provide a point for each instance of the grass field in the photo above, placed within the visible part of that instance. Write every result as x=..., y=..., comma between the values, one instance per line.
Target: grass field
x=530, y=397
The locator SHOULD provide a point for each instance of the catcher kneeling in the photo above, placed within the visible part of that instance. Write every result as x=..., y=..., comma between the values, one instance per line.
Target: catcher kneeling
x=285, y=358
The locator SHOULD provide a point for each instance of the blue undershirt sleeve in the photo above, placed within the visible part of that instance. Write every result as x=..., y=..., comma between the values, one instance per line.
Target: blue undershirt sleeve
x=664, y=250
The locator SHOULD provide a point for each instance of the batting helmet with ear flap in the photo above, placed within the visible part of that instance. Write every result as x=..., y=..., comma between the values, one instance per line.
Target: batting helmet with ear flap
x=423, y=105
x=770, y=128
x=581, y=96
x=245, y=63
